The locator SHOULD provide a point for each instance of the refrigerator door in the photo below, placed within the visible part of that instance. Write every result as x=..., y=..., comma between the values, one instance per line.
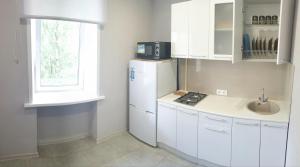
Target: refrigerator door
x=143, y=85
x=143, y=125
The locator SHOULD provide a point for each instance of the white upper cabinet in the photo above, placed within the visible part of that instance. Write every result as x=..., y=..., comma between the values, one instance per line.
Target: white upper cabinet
x=226, y=30
x=245, y=143
x=233, y=30
x=166, y=125
x=199, y=29
x=190, y=29
x=187, y=130
x=273, y=144
x=180, y=29
x=267, y=35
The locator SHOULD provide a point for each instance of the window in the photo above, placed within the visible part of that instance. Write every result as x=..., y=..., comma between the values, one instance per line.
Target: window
x=64, y=58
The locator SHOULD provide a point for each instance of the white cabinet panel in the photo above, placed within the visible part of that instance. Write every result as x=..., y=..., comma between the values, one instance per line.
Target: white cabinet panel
x=166, y=125
x=199, y=29
x=245, y=143
x=273, y=144
x=214, y=139
x=187, y=126
x=285, y=31
x=180, y=29
x=238, y=31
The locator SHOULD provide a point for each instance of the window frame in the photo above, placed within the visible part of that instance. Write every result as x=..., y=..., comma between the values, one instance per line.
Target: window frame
x=91, y=73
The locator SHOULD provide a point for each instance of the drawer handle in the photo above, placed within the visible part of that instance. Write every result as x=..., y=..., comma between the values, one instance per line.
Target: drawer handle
x=215, y=119
x=217, y=130
x=273, y=126
x=247, y=124
x=192, y=114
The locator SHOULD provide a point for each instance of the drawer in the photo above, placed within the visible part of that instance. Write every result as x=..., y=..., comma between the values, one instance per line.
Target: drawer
x=211, y=119
x=187, y=111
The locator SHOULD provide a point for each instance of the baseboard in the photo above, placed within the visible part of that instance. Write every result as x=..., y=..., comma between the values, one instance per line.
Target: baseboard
x=99, y=141
x=19, y=156
x=62, y=140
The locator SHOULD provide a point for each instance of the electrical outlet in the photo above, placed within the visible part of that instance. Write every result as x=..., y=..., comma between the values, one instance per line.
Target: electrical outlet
x=221, y=92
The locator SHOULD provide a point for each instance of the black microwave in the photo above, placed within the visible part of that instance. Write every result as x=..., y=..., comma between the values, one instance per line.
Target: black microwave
x=154, y=50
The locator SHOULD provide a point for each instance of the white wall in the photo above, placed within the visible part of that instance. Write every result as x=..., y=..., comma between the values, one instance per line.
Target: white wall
x=293, y=150
x=128, y=23
x=56, y=124
x=17, y=126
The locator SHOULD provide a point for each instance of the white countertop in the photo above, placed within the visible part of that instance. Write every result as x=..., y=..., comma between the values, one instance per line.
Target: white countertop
x=231, y=107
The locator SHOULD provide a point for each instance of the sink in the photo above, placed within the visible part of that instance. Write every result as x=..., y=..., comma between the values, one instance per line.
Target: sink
x=267, y=108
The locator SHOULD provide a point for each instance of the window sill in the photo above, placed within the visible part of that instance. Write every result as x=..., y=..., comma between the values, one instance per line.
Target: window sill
x=49, y=103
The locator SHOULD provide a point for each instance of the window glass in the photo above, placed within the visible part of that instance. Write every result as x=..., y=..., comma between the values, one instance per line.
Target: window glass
x=59, y=54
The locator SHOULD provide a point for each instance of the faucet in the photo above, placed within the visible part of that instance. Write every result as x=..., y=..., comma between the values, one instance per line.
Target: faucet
x=263, y=99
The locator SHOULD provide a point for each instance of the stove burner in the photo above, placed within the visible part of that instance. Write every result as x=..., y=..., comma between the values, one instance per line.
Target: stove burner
x=191, y=98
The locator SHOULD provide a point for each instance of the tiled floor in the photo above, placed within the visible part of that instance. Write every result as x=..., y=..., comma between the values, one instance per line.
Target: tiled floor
x=120, y=151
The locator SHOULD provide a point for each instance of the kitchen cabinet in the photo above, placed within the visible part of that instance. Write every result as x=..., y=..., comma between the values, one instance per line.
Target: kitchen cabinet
x=187, y=130
x=190, y=29
x=273, y=144
x=245, y=143
x=166, y=125
x=225, y=30
x=180, y=29
x=268, y=39
x=199, y=29
x=214, y=139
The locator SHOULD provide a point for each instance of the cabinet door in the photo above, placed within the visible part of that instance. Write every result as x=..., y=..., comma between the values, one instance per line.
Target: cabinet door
x=285, y=31
x=166, y=125
x=214, y=139
x=245, y=143
x=273, y=144
x=180, y=29
x=221, y=29
x=187, y=122
x=238, y=31
x=199, y=29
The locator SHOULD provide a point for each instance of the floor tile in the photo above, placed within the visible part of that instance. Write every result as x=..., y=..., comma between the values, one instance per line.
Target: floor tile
x=120, y=151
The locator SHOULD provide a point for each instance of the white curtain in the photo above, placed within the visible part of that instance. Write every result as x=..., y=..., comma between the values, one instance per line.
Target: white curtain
x=90, y=11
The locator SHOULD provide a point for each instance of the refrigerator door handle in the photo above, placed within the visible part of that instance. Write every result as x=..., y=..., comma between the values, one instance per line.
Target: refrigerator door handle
x=132, y=105
x=149, y=112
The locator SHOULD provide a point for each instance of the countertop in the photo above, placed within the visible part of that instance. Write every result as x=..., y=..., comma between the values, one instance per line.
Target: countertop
x=231, y=107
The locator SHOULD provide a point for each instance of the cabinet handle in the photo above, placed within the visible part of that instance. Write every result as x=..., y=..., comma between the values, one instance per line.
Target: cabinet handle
x=149, y=112
x=192, y=114
x=215, y=119
x=216, y=130
x=247, y=124
x=274, y=126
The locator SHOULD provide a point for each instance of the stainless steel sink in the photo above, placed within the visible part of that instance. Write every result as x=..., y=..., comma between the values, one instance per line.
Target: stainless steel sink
x=267, y=108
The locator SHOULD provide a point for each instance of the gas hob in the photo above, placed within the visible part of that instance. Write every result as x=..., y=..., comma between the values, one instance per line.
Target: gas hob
x=191, y=98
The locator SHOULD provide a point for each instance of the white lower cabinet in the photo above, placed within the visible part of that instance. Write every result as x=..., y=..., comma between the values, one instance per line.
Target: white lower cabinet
x=166, y=125
x=222, y=140
x=187, y=127
x=273, y=144
x=214, y=139
x=245, y=143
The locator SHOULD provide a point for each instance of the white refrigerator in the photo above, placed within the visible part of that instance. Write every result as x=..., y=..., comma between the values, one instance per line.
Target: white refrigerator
x=148, y=81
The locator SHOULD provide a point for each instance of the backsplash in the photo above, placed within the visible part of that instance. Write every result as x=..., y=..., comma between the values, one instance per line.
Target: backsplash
x=245, y=79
